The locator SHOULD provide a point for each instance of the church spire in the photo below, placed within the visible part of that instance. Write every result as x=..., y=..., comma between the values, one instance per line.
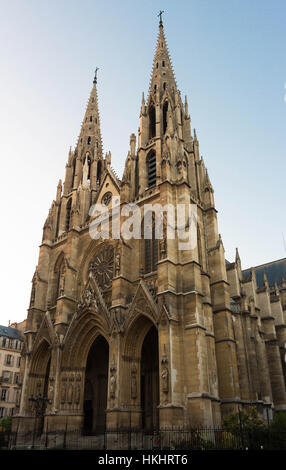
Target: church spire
x=90, y=135
x=162, y=77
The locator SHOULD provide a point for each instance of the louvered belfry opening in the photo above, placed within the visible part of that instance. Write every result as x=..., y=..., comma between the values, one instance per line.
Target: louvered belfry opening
x=152, y=122
x=151, y=169
x=151, y=251
x=68, y=214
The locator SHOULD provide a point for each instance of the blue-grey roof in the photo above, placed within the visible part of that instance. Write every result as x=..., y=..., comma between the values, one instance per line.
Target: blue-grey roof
x=11, y=333
x=275, y=271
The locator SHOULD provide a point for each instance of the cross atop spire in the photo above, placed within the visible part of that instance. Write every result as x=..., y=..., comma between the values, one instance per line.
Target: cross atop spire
x=95, y=75
x=160, y=14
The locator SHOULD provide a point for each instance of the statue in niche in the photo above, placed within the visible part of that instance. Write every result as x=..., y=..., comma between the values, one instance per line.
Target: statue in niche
x=165, y=380
x=112, y=386
x=51, y=389
x=165, y=373
x=118, y=317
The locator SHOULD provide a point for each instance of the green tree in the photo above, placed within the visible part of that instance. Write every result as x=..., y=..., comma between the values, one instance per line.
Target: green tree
x=5, y=424
x=277, y=431
x=248, y=426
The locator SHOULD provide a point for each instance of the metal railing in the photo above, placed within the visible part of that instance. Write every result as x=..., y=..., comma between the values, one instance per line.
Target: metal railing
x=164, y=439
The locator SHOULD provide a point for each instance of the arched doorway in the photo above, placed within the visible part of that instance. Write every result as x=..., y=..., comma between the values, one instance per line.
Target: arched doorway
x=96, y=384
x=150, y=381
x=37, y=391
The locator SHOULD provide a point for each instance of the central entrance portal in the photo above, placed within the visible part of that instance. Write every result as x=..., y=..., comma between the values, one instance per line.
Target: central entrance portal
x=96, y=384
x=150, y=381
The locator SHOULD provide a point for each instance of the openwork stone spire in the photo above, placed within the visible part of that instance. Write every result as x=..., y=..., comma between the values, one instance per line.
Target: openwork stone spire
x=90, y=134
x=162, y=75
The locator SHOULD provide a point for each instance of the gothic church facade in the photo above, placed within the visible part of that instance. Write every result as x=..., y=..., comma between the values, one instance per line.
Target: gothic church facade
x=137, y=333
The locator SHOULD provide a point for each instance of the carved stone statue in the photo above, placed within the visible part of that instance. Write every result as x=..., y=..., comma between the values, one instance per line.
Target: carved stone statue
x=165, y=373
x=165, y=380
x=51, y=389
x=112, y=386
x=87, y=300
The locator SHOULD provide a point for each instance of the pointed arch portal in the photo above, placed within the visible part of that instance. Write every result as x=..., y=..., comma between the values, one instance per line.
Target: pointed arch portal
x=96, y=385
x=149, y=367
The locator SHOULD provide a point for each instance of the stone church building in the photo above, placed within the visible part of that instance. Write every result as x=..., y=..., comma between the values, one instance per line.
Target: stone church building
x=137, y=333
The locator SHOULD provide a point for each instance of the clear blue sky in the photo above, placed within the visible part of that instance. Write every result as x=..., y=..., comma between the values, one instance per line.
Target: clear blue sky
x=229, y=59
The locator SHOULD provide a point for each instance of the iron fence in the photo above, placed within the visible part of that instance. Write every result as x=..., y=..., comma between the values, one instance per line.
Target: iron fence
x=133, y=439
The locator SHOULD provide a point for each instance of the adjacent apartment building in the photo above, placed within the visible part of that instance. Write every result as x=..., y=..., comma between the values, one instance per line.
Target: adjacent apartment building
x=11, y=343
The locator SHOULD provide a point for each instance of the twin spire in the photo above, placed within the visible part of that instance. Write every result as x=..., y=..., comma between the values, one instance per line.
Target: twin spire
x=162, y=81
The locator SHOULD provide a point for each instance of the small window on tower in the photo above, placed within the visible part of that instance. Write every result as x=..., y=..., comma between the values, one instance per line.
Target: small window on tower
x=163, y=63
x=155, y=88
x=88, y=140
x=151, y=250
x=90, y=118
x=157, y=65
x=164, y=86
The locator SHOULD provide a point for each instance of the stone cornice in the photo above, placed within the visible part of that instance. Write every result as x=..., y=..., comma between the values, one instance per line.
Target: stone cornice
x=222, y=340
x=195, y=325
x=178, y=263
x=204, y=395
x=219, y=281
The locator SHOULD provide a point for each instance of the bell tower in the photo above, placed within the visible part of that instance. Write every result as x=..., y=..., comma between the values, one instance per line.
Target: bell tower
x=164, y=124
